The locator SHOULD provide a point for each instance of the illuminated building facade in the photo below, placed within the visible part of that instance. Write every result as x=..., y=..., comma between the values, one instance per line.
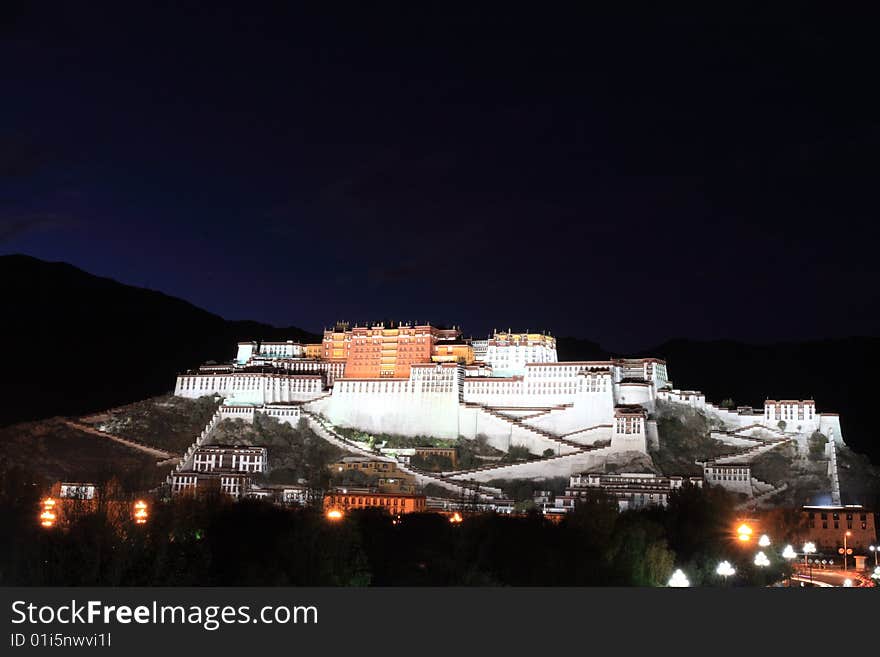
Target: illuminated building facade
x=508, y=353
x=380, y=351
x=394, y=503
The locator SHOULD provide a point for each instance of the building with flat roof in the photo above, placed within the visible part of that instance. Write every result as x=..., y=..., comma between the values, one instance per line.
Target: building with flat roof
x=827, y=525
x=395, y=503
x=630, y=490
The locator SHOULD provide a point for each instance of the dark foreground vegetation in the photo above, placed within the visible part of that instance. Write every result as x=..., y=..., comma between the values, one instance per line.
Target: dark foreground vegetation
x=208, y=542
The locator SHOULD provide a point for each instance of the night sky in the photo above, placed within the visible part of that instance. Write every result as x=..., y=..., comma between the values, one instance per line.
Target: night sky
x=625, y=177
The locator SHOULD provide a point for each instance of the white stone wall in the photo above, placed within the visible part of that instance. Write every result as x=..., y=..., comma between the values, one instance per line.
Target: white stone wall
x=629, y=435
x=249, y=387
x=735, y=477
x=636, y=393
x=829, y=425
x=511, y=359
x=245, y=351
x=560, y=466
x=503, y=434
x=286, y=349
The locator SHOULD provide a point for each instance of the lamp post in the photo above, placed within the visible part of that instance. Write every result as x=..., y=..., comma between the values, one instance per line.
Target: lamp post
x=725, y=570
x=875, y=549
x=761, y=560
x=764, y=541
x=679, y=580
x=809, y=548
x=845, y=549
x=788, y=554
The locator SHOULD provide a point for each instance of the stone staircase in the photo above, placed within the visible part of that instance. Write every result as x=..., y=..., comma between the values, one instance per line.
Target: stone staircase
x=322, y=427
x=517, y=422
x=750, y=454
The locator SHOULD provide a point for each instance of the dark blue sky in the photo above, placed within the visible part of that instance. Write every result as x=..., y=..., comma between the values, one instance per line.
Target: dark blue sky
x=620, y=177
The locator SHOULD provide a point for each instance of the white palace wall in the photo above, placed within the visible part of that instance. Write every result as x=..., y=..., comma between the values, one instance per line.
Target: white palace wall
x=250, y=388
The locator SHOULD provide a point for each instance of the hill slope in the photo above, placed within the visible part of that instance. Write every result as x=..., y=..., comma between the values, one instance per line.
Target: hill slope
x=838, y=374
x=75, y=343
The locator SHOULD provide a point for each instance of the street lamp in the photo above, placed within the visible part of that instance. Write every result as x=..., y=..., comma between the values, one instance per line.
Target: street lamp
x=847, y=582
x=876, y=573
x=762, y=560
x=845, y=551
x=876, y=550
x=744, y=533
x=678, y=580
x=788, y=554
x=809, y=548
x=764, y=541
x=725, y=570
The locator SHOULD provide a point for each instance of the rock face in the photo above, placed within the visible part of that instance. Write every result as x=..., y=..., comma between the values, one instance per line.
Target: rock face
x=636, y=462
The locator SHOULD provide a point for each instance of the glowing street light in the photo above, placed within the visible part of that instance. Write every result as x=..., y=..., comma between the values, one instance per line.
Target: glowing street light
x=455, y=518
x=725, y=570
x=845, y=550
x=847, y=582
x=334, y=515
x=764, y=541
x=876, y=550
x=47, y=515
x=679, y=580
x=809, y=548
x=876, y=573
x=744, y=533
x=762, y=560
x=140, y=513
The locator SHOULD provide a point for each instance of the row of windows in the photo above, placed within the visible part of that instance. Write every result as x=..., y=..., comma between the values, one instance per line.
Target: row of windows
x=248, y=383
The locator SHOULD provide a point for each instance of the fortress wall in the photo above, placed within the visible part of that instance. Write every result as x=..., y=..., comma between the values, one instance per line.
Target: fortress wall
x=635, y=393
x=829, y=425
x=560, y=466
x=634, y=442
x=737, y=441
x=250, y=388
x=592, y=435
x=501, y=434
x=589, y=410
x=398, y=413
x=652, y=435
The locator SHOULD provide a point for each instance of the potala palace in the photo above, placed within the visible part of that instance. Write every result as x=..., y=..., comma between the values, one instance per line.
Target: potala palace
x=421, y=380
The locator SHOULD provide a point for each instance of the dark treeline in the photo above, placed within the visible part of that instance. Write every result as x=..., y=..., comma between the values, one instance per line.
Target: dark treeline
x=204, y=542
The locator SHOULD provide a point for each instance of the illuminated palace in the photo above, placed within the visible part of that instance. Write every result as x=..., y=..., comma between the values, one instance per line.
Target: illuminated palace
x=414, y=379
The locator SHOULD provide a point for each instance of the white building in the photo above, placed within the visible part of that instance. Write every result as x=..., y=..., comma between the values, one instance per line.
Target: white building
x=205, y=483
x=282, y=349
x=518, y=394
x=251, y=385
x=508, y=353
x=630, y=490
x=211, y=458
x=735, y=477
x=77, y=491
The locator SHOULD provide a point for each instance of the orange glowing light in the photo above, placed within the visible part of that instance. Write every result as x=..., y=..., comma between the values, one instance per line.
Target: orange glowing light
x=48, y=516
x=334, y=514
x=455, y=518
x=140, y=512
x=744, y=532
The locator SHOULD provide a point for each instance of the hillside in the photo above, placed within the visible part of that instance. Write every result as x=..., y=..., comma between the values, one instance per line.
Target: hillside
x=838, y=374
x=77, y=343
x=50, y=450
